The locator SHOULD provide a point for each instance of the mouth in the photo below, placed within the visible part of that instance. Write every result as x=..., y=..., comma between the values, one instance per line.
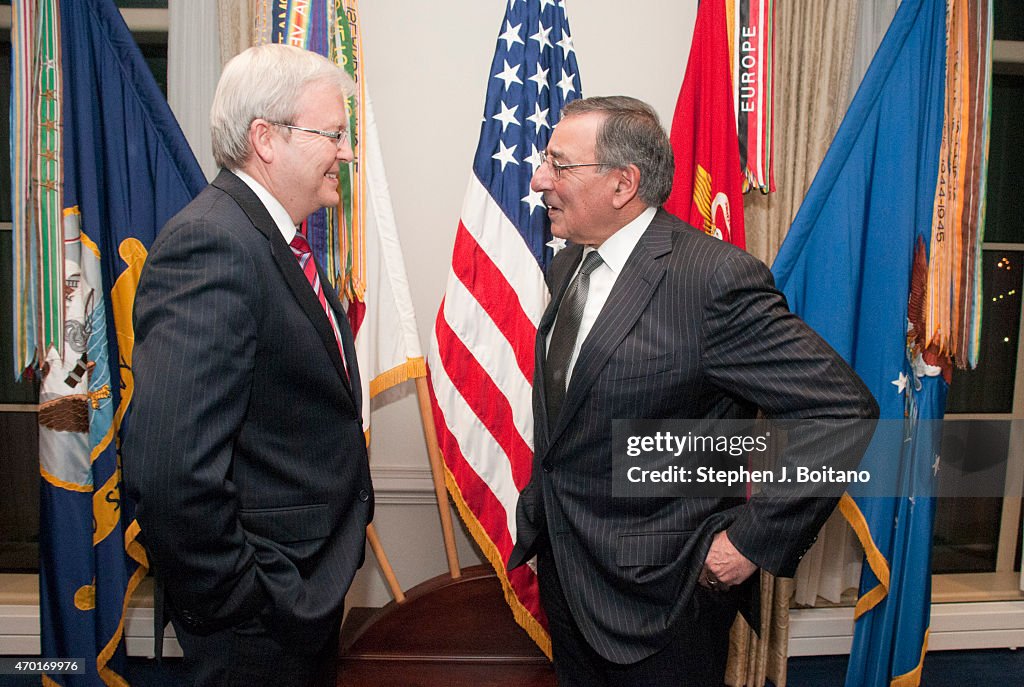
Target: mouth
x=333, y=176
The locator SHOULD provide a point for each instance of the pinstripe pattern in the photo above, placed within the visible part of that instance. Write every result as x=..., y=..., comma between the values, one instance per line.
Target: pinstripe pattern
x=693, y=328
x=245, y=449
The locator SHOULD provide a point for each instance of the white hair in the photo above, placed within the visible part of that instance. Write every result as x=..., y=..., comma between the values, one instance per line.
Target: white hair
x=264, y=82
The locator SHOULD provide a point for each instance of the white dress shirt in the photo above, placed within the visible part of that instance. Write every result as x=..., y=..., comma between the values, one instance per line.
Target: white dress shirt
x=272, y=204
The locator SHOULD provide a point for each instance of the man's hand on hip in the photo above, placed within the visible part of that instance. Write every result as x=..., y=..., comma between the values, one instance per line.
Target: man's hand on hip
x=725, y=566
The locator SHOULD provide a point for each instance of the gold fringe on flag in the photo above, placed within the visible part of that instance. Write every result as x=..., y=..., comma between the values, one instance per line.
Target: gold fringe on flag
x=522, y=616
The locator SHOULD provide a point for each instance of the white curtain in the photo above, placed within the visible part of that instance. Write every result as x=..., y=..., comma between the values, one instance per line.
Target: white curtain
x=873, y=19
x=193, y=68
x=832, y=565
x=237, y=27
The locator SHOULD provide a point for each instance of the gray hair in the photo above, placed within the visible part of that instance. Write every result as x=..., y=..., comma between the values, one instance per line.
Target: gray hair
x=631, y=135
x=264, y=82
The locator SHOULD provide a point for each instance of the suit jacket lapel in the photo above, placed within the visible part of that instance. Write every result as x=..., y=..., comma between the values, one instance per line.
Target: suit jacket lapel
x=293, y=276
x=626, y=303
x=574, y=253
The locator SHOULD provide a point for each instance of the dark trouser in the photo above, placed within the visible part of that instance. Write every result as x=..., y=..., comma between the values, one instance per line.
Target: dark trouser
x=694, y=657
x=247, y=656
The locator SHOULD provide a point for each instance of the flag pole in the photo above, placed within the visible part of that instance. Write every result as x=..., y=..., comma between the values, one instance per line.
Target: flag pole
x=437, y=472
x=385, y=565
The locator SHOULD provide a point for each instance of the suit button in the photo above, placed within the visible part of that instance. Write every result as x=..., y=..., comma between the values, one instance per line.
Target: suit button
x=364, y=495
x=546, y=466
x=191, y=620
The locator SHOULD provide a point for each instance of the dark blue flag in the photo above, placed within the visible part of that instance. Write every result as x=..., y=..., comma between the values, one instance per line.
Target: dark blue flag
x=126, y=170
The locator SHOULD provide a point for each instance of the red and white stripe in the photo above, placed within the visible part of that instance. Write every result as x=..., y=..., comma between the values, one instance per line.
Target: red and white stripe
x=481, y=369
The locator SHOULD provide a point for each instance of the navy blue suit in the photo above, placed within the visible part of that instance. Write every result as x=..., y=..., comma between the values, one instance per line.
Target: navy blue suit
x=693, y=328
x=245, y=449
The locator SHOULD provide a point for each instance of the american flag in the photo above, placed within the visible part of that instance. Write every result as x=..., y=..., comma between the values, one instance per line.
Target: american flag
x=481, y=353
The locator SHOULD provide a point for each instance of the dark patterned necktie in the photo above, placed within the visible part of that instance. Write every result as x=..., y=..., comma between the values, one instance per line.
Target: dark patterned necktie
x=564, y=335
x=304, y=254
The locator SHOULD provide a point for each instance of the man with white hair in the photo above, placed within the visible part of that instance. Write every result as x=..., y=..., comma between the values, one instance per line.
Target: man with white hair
x=245, y=450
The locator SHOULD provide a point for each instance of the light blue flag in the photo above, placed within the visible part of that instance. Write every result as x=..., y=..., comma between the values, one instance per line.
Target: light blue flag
x=846, y=269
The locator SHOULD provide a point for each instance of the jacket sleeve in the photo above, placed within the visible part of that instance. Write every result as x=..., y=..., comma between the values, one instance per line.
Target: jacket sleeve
x=756, y=349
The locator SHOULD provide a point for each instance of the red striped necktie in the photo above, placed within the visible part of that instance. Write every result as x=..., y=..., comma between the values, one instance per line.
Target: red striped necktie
x=304, y=254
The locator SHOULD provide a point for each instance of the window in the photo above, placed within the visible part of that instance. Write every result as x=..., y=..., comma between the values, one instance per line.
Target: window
x=977, y=541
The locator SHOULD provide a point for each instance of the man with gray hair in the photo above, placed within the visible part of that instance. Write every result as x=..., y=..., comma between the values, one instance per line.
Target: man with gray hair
x=651, y=319
x=245, y=449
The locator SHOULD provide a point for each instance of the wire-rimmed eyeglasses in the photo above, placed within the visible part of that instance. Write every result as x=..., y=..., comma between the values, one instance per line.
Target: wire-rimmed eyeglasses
x=557, y=168
x=337, y=136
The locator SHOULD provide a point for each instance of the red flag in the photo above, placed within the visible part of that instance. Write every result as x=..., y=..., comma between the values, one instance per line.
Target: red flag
x=707, y=191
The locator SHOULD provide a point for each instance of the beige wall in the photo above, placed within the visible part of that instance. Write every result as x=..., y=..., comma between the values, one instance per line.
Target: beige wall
x=427, y=68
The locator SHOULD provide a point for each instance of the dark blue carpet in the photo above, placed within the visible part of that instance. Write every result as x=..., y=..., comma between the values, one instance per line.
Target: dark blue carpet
x=987, y=668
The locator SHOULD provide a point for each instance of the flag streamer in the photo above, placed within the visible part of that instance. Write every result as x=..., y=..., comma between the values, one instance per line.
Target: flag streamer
x=752, y=47
x=952, y=310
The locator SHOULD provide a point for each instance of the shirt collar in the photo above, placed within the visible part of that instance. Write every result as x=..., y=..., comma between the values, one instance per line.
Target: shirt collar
x=273, y=205
x=617, y=248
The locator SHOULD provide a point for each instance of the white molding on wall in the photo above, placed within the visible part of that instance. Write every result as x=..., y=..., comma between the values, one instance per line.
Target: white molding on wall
x=138, y=632
x=19, y=632
x=1011, y=52
x=403, y=485
x=973, y=625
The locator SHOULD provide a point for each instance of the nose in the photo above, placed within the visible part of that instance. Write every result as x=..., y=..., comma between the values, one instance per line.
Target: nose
x=542, y=179
x=345, y=152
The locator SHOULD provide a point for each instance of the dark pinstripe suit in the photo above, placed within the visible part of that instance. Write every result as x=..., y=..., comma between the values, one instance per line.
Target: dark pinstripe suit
x=245, y=449
x=693, y=328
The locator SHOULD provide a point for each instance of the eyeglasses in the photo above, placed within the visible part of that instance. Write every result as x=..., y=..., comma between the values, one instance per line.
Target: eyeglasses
x=557, y=168
x=337, y=136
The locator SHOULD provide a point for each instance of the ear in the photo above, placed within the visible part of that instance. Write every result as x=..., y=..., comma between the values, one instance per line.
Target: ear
x=627, y=185
x=261, y=139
